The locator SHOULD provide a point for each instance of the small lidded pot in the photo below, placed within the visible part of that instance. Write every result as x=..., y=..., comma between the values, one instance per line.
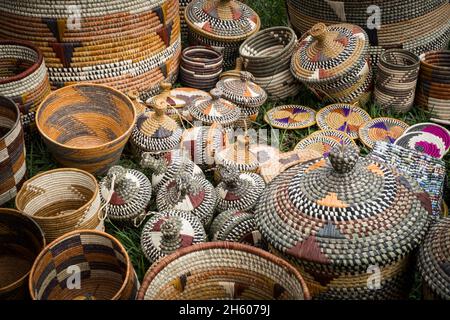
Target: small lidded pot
x=239, y=156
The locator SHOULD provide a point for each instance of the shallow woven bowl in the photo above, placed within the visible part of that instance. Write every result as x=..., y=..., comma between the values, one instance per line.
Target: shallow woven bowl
x=21, y=240
x=86, y=126
x=222, y=270
x=102, y=263
x=61, y=201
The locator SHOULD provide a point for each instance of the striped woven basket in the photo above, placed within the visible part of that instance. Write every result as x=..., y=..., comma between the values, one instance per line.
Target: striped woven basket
x=86, y=126
x=129, y=45
x=23, y=77
x=12, y=150
x=21, y=241
x=222, y=270
x=61, y=200
x=103, y=264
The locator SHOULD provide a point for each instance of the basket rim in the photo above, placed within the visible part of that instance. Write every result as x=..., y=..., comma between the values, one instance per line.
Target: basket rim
x=409, y=53
x=19, y=213
x=31, y=69
x=18, y=115
x=26, y=183
x=154, y=270
x=104, y=87
x=433, y=65
x=83, y=231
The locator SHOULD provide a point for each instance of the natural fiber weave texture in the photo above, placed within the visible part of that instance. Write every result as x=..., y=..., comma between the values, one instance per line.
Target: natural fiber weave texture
x=12, y=150
x=433, y=128
x=381, y=129
x=423, y=142
x=340, y=136
x=238, y=156
x=334, y=218
x=429, y=172
x=169, y=231
x=319, y=143
x=23, y=77
x=21, y=241
x=86, y=126
x=222, y=270
x=129, y=45
x=105, y=269
x=290, y=117
x=61, y=200
x=434, y=261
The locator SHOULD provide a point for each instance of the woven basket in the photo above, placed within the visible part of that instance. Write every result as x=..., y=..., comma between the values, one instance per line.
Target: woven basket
x=267, y=55
x=132, y=45
x=21, y=240
x=184, y=28
x=61, y=200
x=12, y=150
x=23, y=77
x=200, y=67
x=433, y=89
x=396, y=80
x=86, y=126
x=101, y=262
x=222, y=270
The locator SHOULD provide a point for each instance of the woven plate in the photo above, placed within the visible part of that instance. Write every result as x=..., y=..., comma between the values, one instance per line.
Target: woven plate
x=381, y=129
x=423, y=142
x=321, y=144
x=343, y=117
x=337, y=135
x=290, y=117
x=434, y=129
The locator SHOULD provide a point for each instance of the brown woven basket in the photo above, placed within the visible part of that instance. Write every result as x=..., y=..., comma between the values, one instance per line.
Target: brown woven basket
x=86, y=126
x=222, y=270
x=21, y=240
x=97, y=259
x=61, y=201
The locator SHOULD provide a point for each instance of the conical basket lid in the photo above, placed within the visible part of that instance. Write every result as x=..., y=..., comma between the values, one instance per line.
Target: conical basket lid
x=243, y=91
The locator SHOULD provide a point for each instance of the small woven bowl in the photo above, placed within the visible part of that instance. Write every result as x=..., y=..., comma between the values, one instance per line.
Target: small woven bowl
x=61, y=201
x=216, y=270
x=21, y=241
x=104, y=267
x=86, y=126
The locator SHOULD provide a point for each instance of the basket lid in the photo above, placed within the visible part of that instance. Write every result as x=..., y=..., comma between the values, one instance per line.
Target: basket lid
x=155, y=131
x=226, y=20
x=238, y=190
x=345, y=211
x=238, y=155
x=168, y=231
x=243, y=91
x=328, y=53
x=215, y=109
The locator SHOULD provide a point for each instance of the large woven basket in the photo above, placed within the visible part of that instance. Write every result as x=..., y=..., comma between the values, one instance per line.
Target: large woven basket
x=86, y=126
x=96, y=259
x=129, y=45
x=12, y=150
x=61, y=201
x=21, y=240
x=222, y=270
x=23, y=77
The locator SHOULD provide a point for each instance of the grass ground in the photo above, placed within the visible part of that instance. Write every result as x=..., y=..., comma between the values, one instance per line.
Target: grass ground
x=272, y=13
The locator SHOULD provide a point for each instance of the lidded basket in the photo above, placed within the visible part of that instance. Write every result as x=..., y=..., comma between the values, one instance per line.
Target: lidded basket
x=333, y=62
x=238, y=155
x=126, y=193
x=221, y=24
x=343, y=218
x=169, y=231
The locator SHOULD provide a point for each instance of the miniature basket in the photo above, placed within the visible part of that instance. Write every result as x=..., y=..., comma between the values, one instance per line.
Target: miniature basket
x=12, y=150
x=200, y=67
x=429, y=172
x=21, y=241
x=338, y=218
x=396, y=80
x=433, y=89
x=61, y=200
x=381, y=129
x=23, y=77
x=222, y=270
x=267, y=55
x=86, y=126
x=238, y=156
x=128, y=46
x=105, y=269
x=290, y=117
x=169, y=231
x=223, y=24
x=433, y=261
